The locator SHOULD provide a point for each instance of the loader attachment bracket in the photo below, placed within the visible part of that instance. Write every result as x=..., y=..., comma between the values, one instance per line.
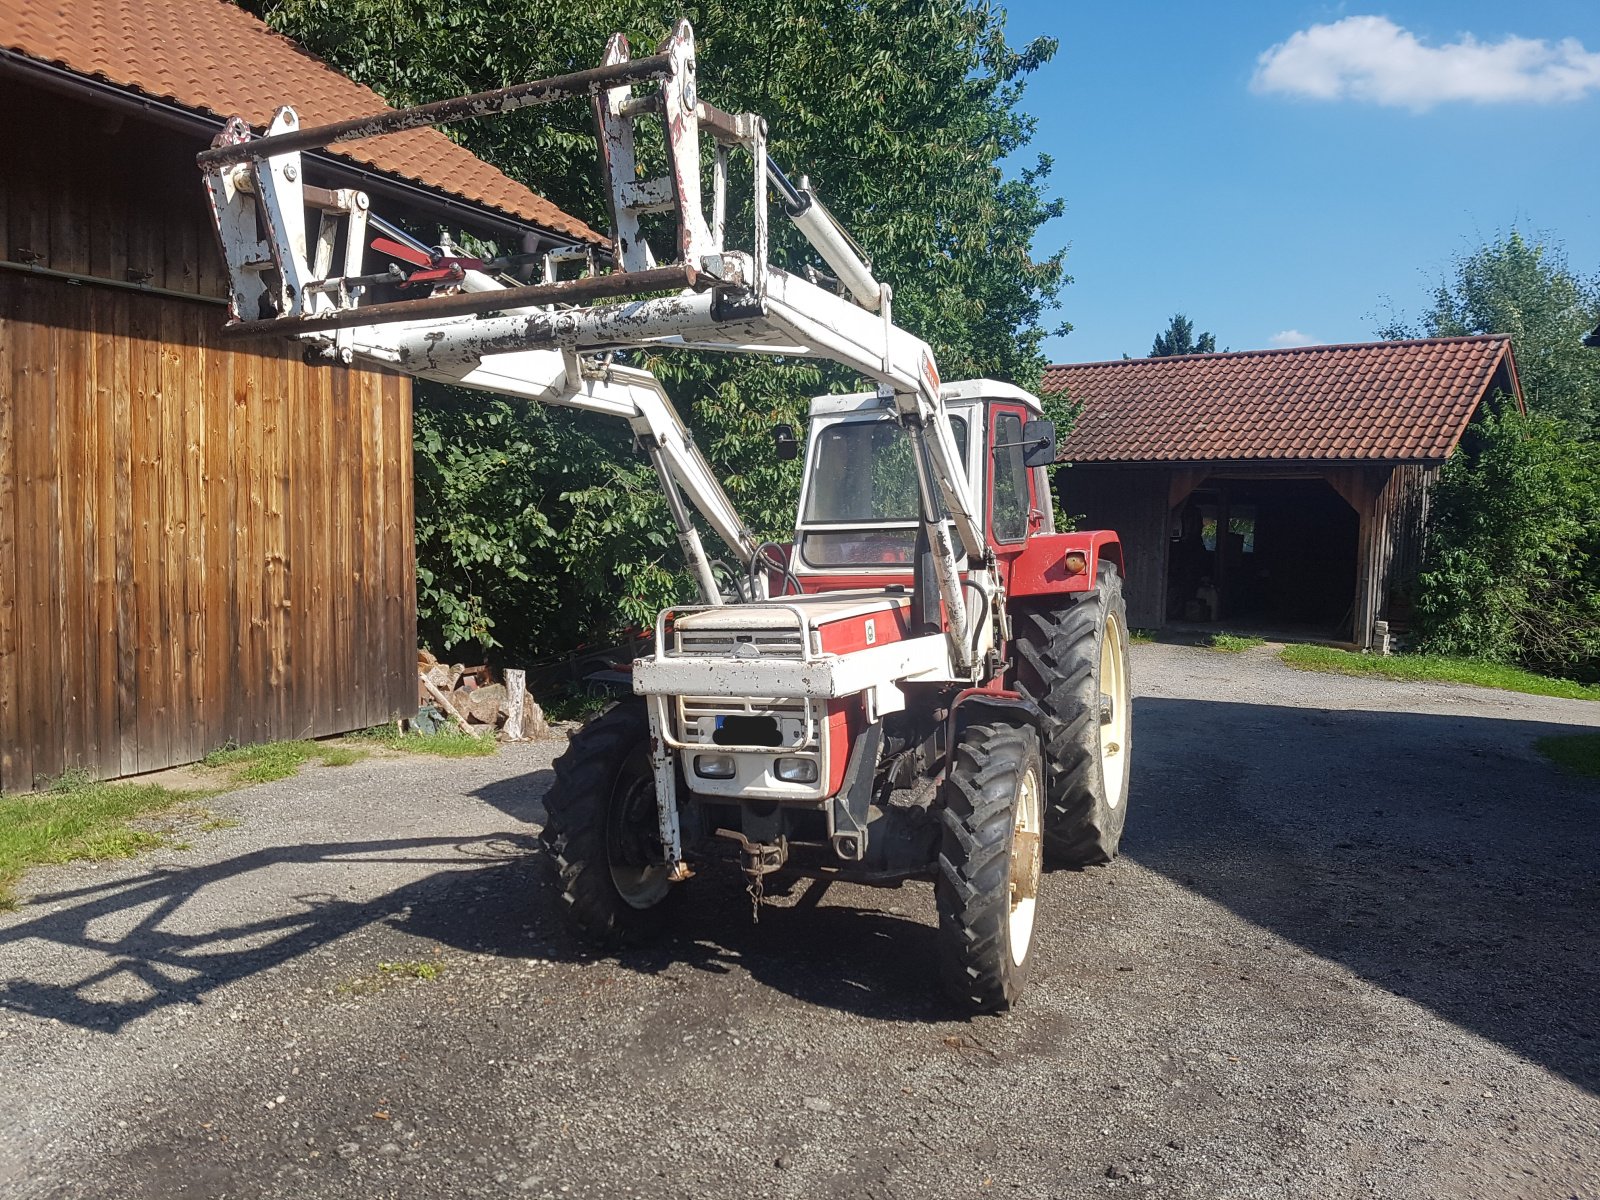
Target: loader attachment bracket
x=848, y=811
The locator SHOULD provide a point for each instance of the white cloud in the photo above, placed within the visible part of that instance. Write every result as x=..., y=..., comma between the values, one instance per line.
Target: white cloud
x=1373, y=59
x=1291, y=337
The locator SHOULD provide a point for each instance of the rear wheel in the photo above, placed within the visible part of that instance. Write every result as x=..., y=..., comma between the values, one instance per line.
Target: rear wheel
x=1072, y=661
x=990, y=860
x=602, y=832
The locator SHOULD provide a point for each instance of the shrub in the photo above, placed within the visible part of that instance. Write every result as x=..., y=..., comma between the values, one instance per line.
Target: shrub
x=1510, y=573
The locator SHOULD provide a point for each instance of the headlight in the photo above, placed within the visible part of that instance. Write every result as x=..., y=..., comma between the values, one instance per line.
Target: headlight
x=713, y=766
x=796, y=770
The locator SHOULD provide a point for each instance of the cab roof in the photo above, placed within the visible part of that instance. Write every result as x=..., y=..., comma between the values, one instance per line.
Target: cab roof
x=964, y=391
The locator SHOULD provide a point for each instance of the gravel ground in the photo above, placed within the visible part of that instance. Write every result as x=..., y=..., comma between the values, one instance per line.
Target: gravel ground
x=1349, y=951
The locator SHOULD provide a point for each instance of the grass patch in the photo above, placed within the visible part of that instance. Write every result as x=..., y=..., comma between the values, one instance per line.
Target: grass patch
x=76, y=818
x=1578, y=753
x=1233, y=643
x=387, y=975
x=1436, y=669
x=449, y=742
x=1141, y=637
x=278, y=760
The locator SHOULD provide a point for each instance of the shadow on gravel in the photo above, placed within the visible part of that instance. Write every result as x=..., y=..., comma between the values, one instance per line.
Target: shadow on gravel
x=130, y=946
x=125, y=948
x=521, y=797
x=863, y=961
x=1437, y=856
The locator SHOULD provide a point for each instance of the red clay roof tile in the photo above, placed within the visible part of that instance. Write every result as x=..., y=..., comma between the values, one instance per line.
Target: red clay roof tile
x=1372, y=400
x=215, y=58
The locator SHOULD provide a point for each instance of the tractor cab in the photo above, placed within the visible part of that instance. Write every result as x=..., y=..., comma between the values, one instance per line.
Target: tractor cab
x=858, y=513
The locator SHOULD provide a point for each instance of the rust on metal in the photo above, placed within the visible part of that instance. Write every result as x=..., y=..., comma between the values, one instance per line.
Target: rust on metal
x=726, y=127
x=480, y=104
x=569, y=291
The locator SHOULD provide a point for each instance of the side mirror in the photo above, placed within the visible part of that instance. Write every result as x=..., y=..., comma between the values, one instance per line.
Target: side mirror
x=1039, y=443
x=784, y=443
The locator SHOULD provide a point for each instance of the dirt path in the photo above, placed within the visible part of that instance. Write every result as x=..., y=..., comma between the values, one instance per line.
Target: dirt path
x=1351, y=950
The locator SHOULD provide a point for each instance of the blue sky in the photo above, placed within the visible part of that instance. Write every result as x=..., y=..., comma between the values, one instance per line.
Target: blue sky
x=1298, y=199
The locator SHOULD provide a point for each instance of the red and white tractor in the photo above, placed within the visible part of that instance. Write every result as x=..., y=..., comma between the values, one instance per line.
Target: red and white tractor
x=927, y=682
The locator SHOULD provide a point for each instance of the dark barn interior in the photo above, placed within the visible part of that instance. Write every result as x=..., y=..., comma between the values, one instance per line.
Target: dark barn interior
x=1265, y=552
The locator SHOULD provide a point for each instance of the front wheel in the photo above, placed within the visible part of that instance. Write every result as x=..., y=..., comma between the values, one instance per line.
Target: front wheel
x=990, y=859
x=602, y=832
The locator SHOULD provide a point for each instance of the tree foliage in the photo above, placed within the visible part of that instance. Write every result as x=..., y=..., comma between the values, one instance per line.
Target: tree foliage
x=536, y=529
x=1178, y=338
x=1525, y=288
x=1511, y=571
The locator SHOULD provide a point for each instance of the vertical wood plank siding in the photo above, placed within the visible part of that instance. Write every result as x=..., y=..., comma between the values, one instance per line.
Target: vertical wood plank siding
x=201, y=540
x=1405, y=503
x=1132, y=501
x=198, y=542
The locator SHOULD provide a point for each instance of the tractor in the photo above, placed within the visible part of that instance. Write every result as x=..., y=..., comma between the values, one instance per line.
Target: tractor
x=927, y=681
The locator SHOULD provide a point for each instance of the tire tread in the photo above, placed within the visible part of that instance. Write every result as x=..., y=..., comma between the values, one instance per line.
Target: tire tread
x=972, y=884
x=1057, y=651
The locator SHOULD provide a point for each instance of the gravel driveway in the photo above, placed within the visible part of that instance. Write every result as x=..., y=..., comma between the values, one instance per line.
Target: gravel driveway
x=1350, y=951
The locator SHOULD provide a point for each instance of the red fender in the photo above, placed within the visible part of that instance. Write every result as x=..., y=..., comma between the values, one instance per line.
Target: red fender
x=1041, y=568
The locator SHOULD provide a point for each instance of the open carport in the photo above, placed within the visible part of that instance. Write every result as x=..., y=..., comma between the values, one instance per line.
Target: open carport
x=1280, y=490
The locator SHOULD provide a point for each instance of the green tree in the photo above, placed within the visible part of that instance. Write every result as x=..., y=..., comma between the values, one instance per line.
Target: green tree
x=905, y=115
x=1178, y=338
x=1525, y=288
x=1511, y=569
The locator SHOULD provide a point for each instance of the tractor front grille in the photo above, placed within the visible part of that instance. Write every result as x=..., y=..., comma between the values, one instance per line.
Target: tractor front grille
x=727, y=643
x=797, y=720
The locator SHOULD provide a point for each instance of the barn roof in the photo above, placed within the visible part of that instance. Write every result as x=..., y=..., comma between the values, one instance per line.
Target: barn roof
x=215, y=59
x=1386, y=401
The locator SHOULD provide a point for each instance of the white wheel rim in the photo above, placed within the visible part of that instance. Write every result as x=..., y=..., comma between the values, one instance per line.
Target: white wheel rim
x=1027, y=862
x=1113, y=713
x=640, y=887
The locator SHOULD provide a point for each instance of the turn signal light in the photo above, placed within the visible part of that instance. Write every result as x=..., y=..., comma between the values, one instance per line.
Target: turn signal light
x=1076, y=562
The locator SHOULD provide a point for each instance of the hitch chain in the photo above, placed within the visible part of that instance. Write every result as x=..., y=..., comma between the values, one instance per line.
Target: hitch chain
x=757, y=889
x=757, y=860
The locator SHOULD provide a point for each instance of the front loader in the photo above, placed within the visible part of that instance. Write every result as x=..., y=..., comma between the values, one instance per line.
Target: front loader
x=926, y=682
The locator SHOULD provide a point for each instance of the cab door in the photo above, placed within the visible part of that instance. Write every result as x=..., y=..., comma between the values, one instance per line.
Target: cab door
x=1012, y=504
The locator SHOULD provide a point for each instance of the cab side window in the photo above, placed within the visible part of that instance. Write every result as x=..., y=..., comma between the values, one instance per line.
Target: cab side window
x=1008, y=497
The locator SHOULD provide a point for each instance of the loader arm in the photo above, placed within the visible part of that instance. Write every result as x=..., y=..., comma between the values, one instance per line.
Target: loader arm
x=547, y=341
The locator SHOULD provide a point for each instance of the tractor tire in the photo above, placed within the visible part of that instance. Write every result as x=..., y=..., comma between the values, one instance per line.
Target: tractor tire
x=1072, y=661
x=990, y=860
x=601, y=831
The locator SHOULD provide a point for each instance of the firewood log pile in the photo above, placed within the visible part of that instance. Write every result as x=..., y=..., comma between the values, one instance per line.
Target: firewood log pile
x=471, y=700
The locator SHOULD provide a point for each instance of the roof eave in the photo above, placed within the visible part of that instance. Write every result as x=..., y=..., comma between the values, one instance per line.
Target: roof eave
x=1312, y=463
x=451, y=208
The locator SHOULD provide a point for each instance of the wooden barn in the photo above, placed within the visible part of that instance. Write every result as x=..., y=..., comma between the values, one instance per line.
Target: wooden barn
x=202, y=540
x=1277, y=490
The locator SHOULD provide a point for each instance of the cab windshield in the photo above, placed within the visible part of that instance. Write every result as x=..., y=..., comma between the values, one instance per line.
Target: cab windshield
x=864, y=473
